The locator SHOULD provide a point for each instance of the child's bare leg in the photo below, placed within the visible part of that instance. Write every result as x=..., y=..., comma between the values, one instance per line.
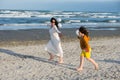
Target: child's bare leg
x=81, y=63
x=93, y=62
x=51, y=57
x=60, y=59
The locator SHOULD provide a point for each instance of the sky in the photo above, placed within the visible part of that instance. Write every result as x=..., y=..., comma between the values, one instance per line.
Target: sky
x=62, y=5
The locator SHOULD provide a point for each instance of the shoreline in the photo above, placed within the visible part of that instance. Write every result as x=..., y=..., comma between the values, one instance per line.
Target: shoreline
x=35, y=36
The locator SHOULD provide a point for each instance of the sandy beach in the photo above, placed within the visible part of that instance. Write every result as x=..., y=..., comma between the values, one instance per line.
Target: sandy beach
x=24, y=58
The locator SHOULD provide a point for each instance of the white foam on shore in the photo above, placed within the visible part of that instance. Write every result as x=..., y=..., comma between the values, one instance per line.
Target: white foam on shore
x=112, y=29
x=15, y=14
x=103, y=26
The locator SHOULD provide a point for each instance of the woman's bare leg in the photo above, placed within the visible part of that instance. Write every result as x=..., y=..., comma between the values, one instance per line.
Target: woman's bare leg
x=51, y=57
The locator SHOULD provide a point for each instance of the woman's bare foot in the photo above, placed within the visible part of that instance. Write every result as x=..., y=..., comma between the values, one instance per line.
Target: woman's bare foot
x=51, y=57
x=79, y=69
x=60, y=62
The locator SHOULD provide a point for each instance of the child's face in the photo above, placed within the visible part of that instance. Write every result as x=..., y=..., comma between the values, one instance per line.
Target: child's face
x=81, y=34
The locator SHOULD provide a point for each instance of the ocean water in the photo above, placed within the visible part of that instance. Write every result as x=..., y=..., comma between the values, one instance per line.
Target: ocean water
x=38, y=19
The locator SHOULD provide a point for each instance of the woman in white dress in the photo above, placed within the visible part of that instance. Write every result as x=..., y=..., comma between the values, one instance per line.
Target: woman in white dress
x=54, y=45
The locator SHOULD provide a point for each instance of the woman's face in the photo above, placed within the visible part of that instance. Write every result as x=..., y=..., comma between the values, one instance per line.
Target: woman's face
x=53, y=23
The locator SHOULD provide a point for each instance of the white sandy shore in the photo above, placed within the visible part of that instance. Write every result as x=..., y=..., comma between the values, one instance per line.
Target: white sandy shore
x=30, y=62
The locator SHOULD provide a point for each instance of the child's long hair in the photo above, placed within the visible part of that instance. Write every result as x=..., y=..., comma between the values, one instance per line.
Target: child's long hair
x=56, y=23
x=83, y=30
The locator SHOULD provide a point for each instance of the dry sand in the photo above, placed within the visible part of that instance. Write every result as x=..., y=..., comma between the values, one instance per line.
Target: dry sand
x=29, y=62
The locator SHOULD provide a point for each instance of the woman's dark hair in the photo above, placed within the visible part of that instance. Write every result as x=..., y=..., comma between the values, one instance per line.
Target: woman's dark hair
x=83, y=30
x=56, y=23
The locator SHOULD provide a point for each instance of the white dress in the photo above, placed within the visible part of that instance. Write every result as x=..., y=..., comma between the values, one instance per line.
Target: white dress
x=54, y=44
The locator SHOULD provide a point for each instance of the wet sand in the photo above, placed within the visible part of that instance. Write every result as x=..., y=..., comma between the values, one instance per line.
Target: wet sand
x=42, y=35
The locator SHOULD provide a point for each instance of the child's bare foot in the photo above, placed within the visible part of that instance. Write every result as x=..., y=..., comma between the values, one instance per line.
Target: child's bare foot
x=96, y=67
x=79, y=69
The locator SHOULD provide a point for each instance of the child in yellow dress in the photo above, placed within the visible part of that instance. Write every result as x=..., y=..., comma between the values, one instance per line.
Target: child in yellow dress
x=86, y=49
